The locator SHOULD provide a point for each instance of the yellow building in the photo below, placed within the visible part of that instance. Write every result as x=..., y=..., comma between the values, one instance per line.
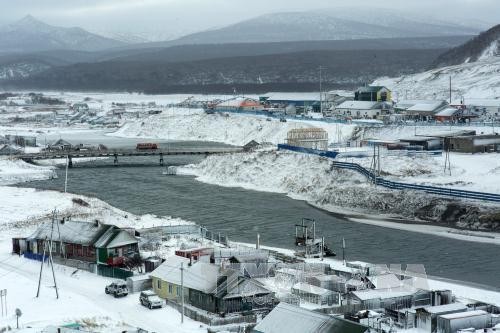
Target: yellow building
x=373, y=94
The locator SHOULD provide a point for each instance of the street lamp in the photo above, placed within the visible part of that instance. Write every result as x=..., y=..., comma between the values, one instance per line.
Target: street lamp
x=18, y=314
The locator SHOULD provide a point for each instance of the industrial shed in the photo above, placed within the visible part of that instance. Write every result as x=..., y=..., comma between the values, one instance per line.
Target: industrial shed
x=474, y=144
x=315, y=295
x=393, y=298
x=426, y=318
x=293, y=319
x=314, y=138
x=451, y=323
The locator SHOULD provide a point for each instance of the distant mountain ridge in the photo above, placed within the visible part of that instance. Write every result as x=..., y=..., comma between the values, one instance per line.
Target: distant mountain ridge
x=308, y=26
x=32, y=35
x=484, y=46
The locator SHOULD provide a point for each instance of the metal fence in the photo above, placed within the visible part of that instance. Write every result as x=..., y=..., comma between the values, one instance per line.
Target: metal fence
x=360, y=122
x=188, y=229
x=113, y=272
x=449, y=192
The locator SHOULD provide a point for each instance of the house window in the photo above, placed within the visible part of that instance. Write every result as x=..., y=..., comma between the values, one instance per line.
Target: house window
x=178, y=291
x=170, y=289
x=158, y=284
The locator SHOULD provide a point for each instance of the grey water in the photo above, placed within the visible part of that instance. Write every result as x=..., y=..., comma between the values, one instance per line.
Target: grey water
x=138, y=186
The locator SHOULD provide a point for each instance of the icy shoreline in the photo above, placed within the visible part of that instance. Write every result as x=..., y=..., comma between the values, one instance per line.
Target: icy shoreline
x=312, y=179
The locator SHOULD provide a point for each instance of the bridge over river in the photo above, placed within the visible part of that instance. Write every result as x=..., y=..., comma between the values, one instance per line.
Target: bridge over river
x=124, y=152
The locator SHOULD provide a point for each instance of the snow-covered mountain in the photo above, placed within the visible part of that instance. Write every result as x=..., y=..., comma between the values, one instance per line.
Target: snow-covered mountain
x=31, y=35
x=327, y=25
x=474, y=69
x=482, y=47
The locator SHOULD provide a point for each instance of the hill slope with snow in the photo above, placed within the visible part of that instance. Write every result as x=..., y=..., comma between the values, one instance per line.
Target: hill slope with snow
x=325, y=25
x=484, y=46
x=30, y=35
x=479, y=79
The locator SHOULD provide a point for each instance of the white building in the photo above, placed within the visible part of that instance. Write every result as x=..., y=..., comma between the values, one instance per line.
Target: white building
x=362, y=109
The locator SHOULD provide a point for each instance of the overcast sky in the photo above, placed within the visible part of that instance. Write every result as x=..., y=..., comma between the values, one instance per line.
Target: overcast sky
x=178, y=16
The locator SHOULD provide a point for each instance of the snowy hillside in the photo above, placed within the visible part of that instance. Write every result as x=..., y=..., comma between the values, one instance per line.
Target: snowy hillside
x=482, y=47
x=187, y=124
x=30, y=34
x=479, y=79
x=338, y=24
x=473, y=67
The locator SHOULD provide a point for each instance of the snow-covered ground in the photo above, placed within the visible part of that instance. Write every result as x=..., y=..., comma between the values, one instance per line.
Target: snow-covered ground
x=479, y=79
x=191, y=124
x=82, y=299
x=14, y=171
x=314, y=179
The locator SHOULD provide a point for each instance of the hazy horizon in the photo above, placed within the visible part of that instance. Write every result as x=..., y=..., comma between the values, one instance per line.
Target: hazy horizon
x=173, y=18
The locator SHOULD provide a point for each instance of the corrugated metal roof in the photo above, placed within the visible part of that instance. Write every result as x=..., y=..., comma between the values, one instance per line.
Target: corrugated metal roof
x=292, y=319
x=426, y=107
x=466, y=314
x=448, y=112
x=384, y=281
x=445, y=308
x=115, y=237
x=246, y=288
x=84, y=233
x=369, y=294
x=359, y=105
x=310, y=289
x=199, y=276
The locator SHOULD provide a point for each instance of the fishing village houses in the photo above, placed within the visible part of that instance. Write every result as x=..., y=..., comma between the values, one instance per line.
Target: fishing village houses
x=255, y=290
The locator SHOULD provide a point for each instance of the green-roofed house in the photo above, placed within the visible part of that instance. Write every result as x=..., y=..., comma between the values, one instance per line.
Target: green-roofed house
x=373, y=94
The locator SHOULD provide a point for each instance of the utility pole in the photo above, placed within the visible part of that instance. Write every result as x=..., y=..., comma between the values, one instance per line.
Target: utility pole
x=450, y=89
x=321, y=89
x=182, y=292
x=66, y=176
x=447, y=162
x=343, y=250
x=50, y=260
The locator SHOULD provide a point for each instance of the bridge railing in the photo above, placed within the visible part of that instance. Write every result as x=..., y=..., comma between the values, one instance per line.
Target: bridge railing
x=449, y=192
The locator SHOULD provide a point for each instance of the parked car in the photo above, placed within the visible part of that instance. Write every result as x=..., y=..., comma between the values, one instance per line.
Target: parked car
x=117, y=289
x=149, y=299
x=283, y=120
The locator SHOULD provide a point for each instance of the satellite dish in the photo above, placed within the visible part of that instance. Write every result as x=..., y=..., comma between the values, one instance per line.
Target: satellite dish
x=18, y=313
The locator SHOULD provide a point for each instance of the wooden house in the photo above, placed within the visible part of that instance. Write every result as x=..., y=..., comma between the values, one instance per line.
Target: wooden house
x=207, y=287
x=81, y=241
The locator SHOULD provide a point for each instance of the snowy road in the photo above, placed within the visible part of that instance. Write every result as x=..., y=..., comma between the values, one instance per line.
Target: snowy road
x=82, y=298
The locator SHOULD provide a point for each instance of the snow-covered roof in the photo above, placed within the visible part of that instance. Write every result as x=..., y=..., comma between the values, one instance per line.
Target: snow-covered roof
x=466, y=314
x=445, y=308
x=293, y=319
x=238, y=102
x=369, y=294
x=310, y=289
x=358, y=105
x=199, y=276
x=448, y=112
x=426, y=107
x=407, y=103
x=84, y=233
x=115, y=237
x=384, y=281
x=281, y=96
x=246, y=287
